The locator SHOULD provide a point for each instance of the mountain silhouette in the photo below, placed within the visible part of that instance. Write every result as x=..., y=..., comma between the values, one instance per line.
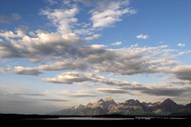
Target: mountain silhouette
x=129, y=107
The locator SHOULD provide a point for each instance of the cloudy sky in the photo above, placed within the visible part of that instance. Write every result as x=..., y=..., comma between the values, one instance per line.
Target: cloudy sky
x=62, y=53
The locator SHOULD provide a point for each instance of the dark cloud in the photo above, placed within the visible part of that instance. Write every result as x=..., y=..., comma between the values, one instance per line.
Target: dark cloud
x=112, y=90
x=162, y=91
x=165, y=92
x=9, y=51
x=157, y=91
x=54, y=100
x=182, y=72
x=82, y=95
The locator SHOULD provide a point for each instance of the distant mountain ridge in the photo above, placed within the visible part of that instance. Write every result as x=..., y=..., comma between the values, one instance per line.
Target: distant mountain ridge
x=129, y=107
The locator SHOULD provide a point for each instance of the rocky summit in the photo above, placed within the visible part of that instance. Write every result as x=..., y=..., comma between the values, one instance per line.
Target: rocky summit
x=128, y=107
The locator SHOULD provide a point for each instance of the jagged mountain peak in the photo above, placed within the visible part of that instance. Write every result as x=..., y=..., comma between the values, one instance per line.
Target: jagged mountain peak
x=132, y=102
x=168, y=101
x=169, y=105
x=108, y=99
x=129, y=107
x=100, y=101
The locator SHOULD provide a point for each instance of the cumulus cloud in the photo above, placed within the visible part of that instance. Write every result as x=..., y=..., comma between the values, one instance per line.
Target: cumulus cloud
x=92, y=37
x=94, y=57
x=68, y=78
x=107, y=13
x=66, y=50
x=63, y=19
x=181, y=45
x=76, y=77
x=63, y=65
x=42, y=45
x=7, y=19
x=116, y=43
x=63, y=44
x=142, y=36
x=18, y=33
x=22, y=70
x=138, y=60
x=97, y=46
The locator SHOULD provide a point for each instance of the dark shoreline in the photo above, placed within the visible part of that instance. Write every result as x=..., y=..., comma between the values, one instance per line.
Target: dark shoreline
x=18, y=120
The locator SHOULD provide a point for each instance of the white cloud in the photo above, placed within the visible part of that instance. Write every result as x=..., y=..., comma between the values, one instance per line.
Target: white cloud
x=99, y=59
x=181, y=45
x=134, y=45
x=68, y=78
x=1, y=40
x=92, y=37
x=97, y=46
x=22, y=70
x=43, y=45
x=87, y=2
x=65, y=50
x=52, y=2
x=18, y=33
x=107, y=13
x=142, y=36
x=63, y=19
x=62, y=65
x=116, y=43
x=76, y=77
x=65, y=42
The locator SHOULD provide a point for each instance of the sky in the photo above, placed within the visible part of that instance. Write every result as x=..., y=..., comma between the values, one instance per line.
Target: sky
x=56, y=54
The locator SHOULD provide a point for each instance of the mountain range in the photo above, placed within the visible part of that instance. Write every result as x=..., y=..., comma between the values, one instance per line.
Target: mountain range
x=129, y=107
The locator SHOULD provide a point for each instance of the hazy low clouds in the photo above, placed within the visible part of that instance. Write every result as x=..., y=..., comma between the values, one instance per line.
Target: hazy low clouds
x=7, y=19
x=149, y=90
x=112, y=90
